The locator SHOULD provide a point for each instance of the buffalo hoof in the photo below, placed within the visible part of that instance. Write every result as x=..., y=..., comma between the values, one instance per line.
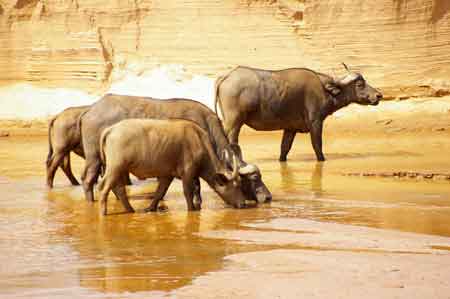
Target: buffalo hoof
x=194, y=207
x=162, y=208
x=150, y=209
x=240, y=206
x=49, y=184
x=282, y=159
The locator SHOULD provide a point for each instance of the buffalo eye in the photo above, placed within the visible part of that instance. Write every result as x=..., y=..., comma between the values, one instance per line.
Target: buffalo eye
x=360, y=84
x=255, y=177
x=221, y=179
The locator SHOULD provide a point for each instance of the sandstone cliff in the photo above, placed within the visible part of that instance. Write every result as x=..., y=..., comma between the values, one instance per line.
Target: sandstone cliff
x=83, y=43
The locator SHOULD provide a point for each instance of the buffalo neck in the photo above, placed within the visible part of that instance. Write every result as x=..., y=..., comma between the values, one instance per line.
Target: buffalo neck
x=210, y=166
x=219, y=140
x=334, y=103
x=217, y=134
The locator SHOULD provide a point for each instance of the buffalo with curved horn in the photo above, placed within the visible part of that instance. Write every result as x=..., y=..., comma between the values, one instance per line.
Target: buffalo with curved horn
x=293, y=100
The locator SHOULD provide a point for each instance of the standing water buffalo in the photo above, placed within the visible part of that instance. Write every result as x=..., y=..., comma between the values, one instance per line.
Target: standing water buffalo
x=293, y=100
x=64, y=137
x=113, y=108
x=165, y=149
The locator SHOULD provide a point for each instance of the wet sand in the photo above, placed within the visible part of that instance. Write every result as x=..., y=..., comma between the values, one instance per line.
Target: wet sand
x=324, y=234
x=336, y=261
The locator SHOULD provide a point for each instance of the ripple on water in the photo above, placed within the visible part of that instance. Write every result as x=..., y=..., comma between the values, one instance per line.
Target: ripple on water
x=53, y=244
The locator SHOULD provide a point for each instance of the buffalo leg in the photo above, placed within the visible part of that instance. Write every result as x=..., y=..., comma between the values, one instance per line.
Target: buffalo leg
x=104, y=186
x=127, y=182
x=161, y=191
x=109, y=181
x=316, y=139
x=286, y=144
x=90, y=176
x=197, y=194
x=104, y=200
x=121, y=193
x=67, y=168
x=53, y=165
x=189, y=189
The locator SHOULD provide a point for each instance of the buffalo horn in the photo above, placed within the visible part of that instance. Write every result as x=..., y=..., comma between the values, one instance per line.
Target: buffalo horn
x=247, y=169
x=347, y=79
x=346, y=67
x=235, y=168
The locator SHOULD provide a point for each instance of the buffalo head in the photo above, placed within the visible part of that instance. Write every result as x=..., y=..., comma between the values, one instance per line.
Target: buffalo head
x=355, y=89
x=252, y=184
x=251, y=178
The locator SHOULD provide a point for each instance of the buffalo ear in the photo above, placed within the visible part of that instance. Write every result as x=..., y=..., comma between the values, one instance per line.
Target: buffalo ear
x=332, y=88
x=221, y=179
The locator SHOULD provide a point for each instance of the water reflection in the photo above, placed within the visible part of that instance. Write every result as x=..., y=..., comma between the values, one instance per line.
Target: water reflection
x=316, y=179
x=142, y=252
x=288, y=177
x=56, y=240
x=291, y=177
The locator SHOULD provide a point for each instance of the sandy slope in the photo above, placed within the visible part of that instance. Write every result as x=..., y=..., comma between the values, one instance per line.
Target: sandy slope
x=415, y=116
x=337, y=261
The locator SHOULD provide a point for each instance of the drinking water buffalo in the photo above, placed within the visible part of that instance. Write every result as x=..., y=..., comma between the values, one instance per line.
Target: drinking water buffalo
x=293, y=100
x=165, y=149
x=113, y=108
x=64, y=137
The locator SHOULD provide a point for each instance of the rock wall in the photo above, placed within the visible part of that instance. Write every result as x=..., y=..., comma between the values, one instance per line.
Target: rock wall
x=398, y=42
x=83, y=43
x=65, y=43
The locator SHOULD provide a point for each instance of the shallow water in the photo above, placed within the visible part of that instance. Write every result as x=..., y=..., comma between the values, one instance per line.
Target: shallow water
x=53, y=244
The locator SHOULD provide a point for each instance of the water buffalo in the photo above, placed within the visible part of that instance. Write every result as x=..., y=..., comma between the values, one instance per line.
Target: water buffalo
x=114, y=108
x=64, y=137
x=293, y=100
x=165, y=149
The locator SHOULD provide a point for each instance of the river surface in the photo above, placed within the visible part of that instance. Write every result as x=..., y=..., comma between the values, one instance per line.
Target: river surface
x=53, y=244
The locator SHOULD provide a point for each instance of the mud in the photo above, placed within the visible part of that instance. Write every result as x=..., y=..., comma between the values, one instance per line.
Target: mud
x=358, y=234
x=325, y=274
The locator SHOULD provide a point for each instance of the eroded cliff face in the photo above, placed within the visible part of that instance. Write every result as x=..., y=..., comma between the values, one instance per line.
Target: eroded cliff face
x=66, y=43
x=397, y=42
x=84, y=44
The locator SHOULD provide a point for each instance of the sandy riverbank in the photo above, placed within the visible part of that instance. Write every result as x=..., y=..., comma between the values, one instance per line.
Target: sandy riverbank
x=336, y=261
x=413, y=116
x=326, y=234
x=330, y=260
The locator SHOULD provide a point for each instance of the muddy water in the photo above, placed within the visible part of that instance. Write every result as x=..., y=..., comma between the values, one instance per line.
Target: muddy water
x=53, y=244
